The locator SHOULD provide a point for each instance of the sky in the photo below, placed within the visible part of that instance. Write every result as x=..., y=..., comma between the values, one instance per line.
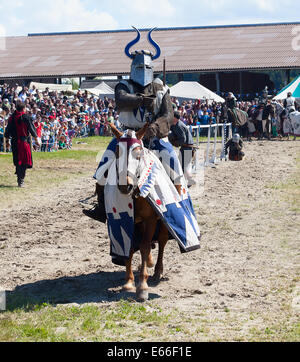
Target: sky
x=21, y=17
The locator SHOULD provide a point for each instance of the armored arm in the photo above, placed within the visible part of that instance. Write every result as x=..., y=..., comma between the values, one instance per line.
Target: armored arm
x=228, y=144
x=167, y=111
x=126, y=101
x=177, y=136
x=161, y=126
x=240, y=145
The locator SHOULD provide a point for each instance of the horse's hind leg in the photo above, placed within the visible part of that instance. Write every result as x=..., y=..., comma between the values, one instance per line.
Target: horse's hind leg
x=129, y=274
x=162, y=239
x=150, y=261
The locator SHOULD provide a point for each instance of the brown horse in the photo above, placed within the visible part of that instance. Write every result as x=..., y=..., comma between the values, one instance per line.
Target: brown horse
x=147, y=220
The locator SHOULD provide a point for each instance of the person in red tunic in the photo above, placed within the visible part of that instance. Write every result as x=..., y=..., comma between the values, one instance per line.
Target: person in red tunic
x=20, y=127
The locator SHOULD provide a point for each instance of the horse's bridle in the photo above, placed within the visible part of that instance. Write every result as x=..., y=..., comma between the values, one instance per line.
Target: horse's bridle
x=135, y=190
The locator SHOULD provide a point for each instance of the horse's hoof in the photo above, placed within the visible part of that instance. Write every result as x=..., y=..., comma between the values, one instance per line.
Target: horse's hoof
x=128, y=287
x=156, y=277
x=142, y=295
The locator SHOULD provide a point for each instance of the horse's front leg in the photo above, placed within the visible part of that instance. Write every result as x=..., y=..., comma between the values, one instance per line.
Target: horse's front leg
x=129, y=274
x=145, y=249
x=162, y=239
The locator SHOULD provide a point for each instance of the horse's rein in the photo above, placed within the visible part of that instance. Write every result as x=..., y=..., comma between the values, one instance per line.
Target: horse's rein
x=136, y=176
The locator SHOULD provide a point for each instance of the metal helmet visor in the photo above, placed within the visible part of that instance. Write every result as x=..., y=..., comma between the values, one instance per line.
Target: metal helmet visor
x=142, y=69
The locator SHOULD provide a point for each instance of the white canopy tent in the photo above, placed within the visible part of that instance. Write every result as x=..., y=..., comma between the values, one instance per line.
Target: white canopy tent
x=52, y=87
x=194, y=90
x=102, y=90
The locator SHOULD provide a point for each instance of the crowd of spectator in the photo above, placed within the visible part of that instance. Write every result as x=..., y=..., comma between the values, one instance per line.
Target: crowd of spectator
x=250, y=96
x=195, y=113
x=59, y=117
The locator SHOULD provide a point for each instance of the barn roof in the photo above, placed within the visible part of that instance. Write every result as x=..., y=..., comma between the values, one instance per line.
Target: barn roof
x=189, y=49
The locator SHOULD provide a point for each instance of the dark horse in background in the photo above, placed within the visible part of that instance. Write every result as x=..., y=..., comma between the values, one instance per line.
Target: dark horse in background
x=238, y=118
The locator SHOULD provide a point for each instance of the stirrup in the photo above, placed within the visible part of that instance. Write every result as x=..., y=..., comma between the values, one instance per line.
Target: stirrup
x=95, y=214
x=191, y=182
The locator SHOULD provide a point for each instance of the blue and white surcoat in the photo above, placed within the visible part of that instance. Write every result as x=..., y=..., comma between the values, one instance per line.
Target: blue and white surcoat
x=137, y=118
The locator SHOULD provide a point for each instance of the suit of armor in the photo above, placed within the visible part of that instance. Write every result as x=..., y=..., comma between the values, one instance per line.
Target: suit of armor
x=140, y=100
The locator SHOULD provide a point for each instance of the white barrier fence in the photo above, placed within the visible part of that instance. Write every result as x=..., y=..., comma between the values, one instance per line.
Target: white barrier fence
x=2, y=300
x=225, y=136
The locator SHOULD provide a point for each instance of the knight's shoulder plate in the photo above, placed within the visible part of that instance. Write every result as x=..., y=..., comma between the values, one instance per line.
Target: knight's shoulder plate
x=124, y=82
x=158, y=81
x=159, y=85
x=127, y=84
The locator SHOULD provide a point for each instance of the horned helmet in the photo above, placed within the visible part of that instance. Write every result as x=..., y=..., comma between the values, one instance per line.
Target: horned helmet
x=142, y=60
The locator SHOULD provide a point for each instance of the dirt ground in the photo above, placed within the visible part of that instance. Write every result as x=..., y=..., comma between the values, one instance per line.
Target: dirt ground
x=244, y=278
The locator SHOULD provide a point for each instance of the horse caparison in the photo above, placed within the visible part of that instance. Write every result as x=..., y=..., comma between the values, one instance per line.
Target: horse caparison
x=147, y=221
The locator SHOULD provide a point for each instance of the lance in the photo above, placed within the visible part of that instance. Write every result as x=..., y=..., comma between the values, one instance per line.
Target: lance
x=165, y=72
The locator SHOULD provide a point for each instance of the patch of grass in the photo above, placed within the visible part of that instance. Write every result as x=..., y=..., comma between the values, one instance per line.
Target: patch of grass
x=91, y=143
x=276, y=333
x=290, y=189
x=204, y=139
x=47, y=323
x=127, y=321
x=51, y=169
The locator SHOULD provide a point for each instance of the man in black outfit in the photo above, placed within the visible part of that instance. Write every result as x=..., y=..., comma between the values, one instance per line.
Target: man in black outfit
x=180, y=136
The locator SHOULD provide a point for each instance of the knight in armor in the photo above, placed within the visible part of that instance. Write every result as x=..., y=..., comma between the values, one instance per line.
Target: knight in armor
x=235, y=146
x=263, y=99
x=231, y=101
x=289, y=102
x=236, y=116
x=141, y=100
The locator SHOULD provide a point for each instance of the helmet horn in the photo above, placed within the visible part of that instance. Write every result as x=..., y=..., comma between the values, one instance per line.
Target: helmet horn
x=132, y=43
x=156, y=46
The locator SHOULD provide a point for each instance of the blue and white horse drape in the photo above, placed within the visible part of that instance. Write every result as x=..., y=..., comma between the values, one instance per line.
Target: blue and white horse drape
x=176, y=211
x=154, y=184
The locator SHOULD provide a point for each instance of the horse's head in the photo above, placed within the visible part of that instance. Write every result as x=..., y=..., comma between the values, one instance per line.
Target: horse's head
x=129, y=152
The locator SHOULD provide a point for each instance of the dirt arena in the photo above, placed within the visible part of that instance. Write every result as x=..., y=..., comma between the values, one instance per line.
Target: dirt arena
x=245, y=276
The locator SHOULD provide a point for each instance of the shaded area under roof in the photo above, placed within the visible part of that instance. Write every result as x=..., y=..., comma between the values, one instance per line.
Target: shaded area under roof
x=194, y=49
